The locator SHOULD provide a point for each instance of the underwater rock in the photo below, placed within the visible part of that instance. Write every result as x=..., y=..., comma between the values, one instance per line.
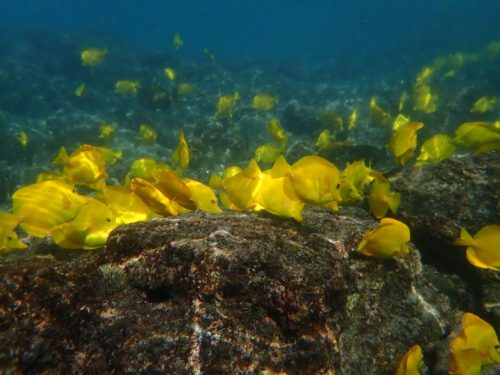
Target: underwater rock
x=224, y=294
x=300, y=119
x=437, y=200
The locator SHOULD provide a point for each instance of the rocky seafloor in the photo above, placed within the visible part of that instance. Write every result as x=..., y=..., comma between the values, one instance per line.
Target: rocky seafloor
x=247, y=293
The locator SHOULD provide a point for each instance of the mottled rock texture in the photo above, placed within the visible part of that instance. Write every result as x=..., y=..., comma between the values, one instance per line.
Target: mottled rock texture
x=225, y=294
x=437, y=200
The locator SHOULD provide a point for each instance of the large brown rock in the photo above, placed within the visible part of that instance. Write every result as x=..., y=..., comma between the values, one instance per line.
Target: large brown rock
x=224, y=294
x=438, y=200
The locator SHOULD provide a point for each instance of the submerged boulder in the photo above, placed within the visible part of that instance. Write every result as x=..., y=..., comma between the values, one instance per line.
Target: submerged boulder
x=437, y=200
x=227, y=293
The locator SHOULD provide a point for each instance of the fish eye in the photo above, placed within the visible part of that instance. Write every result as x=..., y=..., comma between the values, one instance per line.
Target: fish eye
x=9, y=238
x=108, y=220
x=212, y=201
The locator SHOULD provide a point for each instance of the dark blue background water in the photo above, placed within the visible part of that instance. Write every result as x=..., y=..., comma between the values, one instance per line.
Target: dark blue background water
x=349, y=32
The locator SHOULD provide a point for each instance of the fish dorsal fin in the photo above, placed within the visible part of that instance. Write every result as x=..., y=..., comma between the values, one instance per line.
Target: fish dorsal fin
x=62, y=156
x=465, y=238
x=252, y=170
x=280, y=167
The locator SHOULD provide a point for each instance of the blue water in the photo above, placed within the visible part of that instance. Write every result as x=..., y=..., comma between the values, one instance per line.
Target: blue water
x=351, y=32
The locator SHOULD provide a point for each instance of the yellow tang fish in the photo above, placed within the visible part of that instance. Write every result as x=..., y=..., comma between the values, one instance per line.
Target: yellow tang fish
x=425, y=75
x=225, y=105
x=264, y=101
x=217, y=182
x=106, y=131
x=85, y=166
x=437, y=148
x=381, y=199
x=111, y=156
x=182, y=154
x=399, y=121
x=172, y=186
x=185, y=88
x=153, y=198
x=146, y=168
x=203, y=197
x=484, y=104
x=127, y=87
x=478, y=136
x=276, y=130
x=326, y=141
x=267, y=153
x=51, y=175
x=147, y=134
x=88, y=230
x=93, y=56
x=424, y=100
x=353, y=181
x=402, y=100
x=42, y=206
x=378, y=115
x=412, y=362
x=126, y=206
x=313, y=179
x=483, y=250
x=390, y=238
x=353, y=118
x=404, y=141
x=177, y=41
x=242, y=188
x=476, y=346
x=273, y=198
x=23, y=138
x=170, y=73
x=9, y=240
x=81, y=90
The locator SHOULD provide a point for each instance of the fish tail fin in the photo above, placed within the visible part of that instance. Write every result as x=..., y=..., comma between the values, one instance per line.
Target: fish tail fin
x=99, y=185
x=393, y=202
x=9, y=220
x=62, y=156
x=215, y=181
x=465, y=238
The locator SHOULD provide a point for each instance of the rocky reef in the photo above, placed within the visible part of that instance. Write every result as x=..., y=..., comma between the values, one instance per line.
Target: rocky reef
x=249, y=293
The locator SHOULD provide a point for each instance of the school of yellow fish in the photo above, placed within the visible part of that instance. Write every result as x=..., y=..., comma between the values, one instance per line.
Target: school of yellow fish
x=474, y=347
x=54, y=205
